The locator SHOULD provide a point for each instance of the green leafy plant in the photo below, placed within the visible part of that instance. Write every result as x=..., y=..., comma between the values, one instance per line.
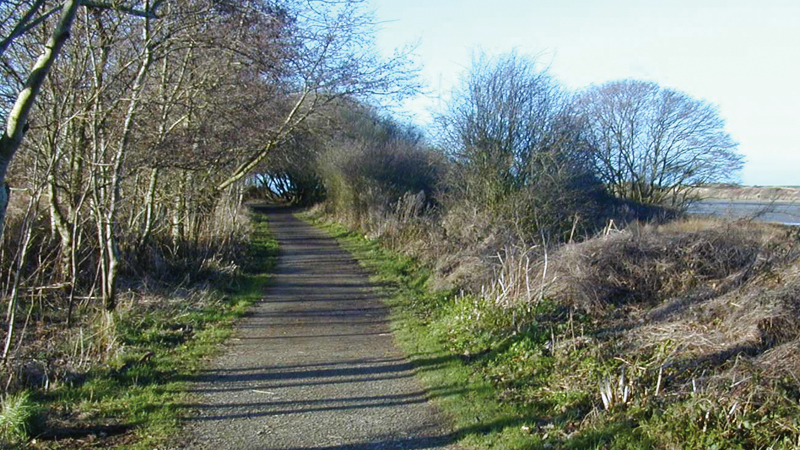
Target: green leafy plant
x=17, y=412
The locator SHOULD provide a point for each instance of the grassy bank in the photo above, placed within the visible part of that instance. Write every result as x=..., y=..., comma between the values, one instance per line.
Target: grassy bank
x=420, y=320
x=548, y=374
x=133, y=400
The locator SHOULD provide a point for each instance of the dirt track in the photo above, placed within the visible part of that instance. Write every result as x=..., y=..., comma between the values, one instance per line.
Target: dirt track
x=314, y=366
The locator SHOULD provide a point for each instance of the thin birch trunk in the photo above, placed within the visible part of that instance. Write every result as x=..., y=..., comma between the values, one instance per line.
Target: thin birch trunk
x=149, y=207
x=178, y=215
x=17, y=120
x=110, y=241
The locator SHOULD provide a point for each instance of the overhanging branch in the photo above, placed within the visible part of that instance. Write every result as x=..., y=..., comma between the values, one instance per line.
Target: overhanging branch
x=149, y=13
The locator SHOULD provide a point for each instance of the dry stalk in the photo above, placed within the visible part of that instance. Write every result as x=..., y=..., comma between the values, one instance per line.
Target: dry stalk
x=613, y=396
x=513, y=283
x=658, y=383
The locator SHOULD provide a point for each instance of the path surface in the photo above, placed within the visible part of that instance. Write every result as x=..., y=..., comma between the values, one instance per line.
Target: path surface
x=314, y=366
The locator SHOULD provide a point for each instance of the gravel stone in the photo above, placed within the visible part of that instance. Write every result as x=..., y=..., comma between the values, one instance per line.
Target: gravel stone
x=314, y=365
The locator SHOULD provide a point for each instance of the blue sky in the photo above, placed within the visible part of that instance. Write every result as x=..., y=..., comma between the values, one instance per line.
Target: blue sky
x=743, y=56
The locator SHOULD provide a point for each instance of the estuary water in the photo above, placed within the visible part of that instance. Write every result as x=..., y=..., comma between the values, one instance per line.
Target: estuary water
x=785, y=213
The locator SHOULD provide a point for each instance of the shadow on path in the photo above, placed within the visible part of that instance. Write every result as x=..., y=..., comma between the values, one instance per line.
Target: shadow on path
x=314, y=364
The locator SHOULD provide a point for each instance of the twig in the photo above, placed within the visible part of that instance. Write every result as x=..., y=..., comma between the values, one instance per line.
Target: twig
x=658, y=383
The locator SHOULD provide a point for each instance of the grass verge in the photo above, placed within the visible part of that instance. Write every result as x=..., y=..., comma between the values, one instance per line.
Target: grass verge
x=546, y=376
x=466, y=395
x=136, y=401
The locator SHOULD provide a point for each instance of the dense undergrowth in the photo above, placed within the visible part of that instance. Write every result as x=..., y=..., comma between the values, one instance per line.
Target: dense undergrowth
x=153, y=343
x=681, y=335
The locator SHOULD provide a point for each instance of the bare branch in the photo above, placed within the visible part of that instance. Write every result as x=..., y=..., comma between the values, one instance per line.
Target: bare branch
x=149, y=13
x=650, y=143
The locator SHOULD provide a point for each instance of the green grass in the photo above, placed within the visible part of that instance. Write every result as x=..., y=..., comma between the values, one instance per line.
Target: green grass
x=499, y=376
x=143, y=391
x=17, y=413
x=419, y=318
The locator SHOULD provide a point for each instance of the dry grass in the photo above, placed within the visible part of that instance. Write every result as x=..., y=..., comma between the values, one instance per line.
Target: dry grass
x=157, y=278
x=714, y=305
x=51, y=354
x=516, y=277
x=460, y=246
x=695, y=310
x=647, y=264
x=720, y=299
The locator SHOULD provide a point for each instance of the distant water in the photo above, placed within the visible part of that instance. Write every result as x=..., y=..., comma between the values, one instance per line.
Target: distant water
x=785, y=213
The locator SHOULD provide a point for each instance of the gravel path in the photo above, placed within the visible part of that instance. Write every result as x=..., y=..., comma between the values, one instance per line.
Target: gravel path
x=314, y=365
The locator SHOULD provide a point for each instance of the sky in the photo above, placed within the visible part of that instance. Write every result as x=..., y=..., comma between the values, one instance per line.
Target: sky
x=742, y=56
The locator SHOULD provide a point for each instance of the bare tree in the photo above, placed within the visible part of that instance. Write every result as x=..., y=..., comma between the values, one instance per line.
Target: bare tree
x=518, y=154
x=501, y=115
x=652, y=144
x=332, y=56
x=146, y=121
x=16, y=120
x=17, y=18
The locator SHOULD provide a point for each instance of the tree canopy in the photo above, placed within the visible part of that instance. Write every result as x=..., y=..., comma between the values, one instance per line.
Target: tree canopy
x=652, y=144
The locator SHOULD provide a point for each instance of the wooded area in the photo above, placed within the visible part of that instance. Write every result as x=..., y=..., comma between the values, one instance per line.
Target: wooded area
x=131, y=133
x=135, y=132
x=130, y=127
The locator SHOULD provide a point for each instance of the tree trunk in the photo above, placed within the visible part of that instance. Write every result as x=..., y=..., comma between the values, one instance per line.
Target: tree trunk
x=17, y=120
x=61, y=225
x=110, y=241
x=149, y=207
x=178, y=213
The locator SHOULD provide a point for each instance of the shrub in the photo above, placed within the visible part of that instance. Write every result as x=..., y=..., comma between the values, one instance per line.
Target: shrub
x=375, y=163
x=518, y=151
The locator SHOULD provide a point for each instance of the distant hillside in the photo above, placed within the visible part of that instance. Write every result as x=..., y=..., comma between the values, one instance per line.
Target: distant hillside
x=743, y=193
